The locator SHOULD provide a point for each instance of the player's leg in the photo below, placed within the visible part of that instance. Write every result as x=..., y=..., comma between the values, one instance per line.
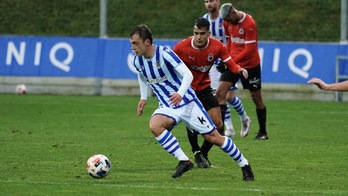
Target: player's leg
x=211, y=105
x=160, y=126
x=229, y=131
x=193, y=140
x=227, y=145
x=200, y=159
x=227, y=80
x=254, y=86
x=214, y=114
x=261, y=114
x=221, y=93
x=194, y=119
x=237, y=105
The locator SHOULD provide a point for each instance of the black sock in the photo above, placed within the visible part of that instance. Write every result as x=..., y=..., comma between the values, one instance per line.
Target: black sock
x=193, y=139
x=206, y=146
x=261, y=117
x=223, y=109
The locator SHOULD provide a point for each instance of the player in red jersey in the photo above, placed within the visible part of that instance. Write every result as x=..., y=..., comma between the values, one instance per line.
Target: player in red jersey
x=218, y=32
x=199, y=53
x=242, y=45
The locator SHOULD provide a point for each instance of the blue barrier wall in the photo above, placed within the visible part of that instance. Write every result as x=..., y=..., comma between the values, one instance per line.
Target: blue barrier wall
x=282, y=62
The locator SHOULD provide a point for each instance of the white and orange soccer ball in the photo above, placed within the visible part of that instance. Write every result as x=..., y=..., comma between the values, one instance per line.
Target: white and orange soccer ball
x=21, y=89
x=98, y=166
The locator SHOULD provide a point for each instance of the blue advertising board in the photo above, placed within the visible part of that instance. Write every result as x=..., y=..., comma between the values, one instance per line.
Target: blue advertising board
x=282, y=62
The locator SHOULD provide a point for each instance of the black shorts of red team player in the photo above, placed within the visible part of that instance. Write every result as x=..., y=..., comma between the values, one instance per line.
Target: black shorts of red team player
x=253, y=82
x=207, y=98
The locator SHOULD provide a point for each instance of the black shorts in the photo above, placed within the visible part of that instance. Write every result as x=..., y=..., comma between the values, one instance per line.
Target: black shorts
x=207, y=98
x=253, y=82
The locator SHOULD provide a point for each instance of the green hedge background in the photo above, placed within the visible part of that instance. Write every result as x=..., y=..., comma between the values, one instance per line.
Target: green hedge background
x=278, y=20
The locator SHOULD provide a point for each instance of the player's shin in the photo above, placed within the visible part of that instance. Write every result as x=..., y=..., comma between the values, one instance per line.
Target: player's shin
x=261, y=116
x=231, y=149
x=205, y=148
x=169, y=143
x=193, y=139
x=223, y=109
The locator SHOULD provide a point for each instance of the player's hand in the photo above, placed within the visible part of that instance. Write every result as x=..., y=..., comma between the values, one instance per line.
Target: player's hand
x=141, y=106
x=221, y=67
x=321, y=84
x=175, y=99
x=243, y=72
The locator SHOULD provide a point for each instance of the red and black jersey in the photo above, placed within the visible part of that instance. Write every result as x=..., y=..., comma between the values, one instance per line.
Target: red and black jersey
x=199, y=61
x=243, y=43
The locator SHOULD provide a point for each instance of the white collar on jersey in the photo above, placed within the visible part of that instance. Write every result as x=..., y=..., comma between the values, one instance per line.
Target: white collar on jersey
x=241, y=20
x=199, y=48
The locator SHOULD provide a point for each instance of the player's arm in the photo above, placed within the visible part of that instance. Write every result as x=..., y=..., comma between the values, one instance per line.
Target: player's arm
x=187, y=78
x=143, y=94
x=250, y=44
x=248, y=49
x=341, y=86
x=231, y=64
x=228, y=43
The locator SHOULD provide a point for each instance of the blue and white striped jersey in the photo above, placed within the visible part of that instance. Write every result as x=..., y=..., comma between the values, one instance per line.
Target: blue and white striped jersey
x=217, y=28
x=160, y=74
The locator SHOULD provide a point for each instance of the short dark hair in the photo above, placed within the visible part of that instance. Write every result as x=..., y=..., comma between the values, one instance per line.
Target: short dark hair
x=143, y=31
x=202, y=23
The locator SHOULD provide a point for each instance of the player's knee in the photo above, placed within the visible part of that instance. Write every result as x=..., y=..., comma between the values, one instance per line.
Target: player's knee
x=214, y=138
x=156, y=127
x=221, y=96
x=156, y=130
x=219, y=126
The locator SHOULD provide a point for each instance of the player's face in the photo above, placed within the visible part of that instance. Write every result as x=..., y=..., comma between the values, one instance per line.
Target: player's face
x=212, y=5
x=200, y=37
x=138, y=45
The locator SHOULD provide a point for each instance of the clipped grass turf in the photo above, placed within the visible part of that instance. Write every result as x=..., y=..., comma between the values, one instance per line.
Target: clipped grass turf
x=46, y=140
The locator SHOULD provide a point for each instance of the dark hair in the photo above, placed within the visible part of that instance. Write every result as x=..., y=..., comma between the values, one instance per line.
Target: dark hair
x=143, y=31
x=202, y=23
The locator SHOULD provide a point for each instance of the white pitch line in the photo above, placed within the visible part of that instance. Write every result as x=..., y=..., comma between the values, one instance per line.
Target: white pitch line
x=343, y=192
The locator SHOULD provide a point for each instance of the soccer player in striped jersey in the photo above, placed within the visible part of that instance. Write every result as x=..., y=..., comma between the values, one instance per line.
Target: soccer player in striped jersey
x=242, y=44
x=170, y=79
x=199, y=52
x=218, y=31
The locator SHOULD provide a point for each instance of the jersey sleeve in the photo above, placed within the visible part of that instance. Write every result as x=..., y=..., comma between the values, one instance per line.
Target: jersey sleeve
x=170, y=56
x=228, y=61
x=187, y=78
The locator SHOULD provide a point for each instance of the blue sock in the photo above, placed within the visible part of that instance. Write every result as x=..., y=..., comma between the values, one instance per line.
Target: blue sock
x=237, y=105
x=231, y=149
x=169, y=143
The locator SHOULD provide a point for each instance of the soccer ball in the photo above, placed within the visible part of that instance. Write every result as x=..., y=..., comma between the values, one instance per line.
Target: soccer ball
x=21, y=89
x=98, y=166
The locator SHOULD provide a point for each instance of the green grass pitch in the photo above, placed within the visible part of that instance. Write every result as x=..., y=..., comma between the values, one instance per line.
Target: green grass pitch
x=46, y=140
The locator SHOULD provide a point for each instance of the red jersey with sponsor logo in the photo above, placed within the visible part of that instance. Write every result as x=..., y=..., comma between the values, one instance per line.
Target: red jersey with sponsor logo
x=199, y=61
x=242, y=44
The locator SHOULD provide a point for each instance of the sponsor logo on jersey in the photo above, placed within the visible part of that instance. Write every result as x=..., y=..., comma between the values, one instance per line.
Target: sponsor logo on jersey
x=238, y=40
x=201, y=68
x=157, y=80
